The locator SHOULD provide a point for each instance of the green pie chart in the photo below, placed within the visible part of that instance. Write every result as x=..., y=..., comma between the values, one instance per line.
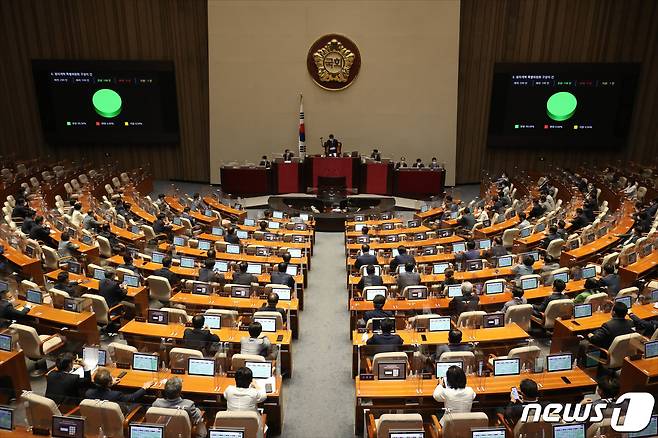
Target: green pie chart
x=561, y=106
x=107, y=103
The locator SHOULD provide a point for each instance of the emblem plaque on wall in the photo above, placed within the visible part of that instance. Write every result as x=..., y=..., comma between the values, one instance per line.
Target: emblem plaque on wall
x=333, y=62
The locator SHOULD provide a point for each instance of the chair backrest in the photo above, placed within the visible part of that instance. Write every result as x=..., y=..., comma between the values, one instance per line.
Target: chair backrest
x=467, y=357
x=104, y=246
x=102, y=413
x=109, y=190
x=389, y=357
x=50, y=257
x=101, y=310
x=177, y=420
x=40, y=410
x=229, y=317
x=409, y=289
x=58, y=297
x=526, y=355
x=29, y=340
x=422, y=321
x=531, y=428
x=389, y=422
x=159, y=288
x=267, y=314
x=557, y=308
x=509, y=235
x=238, y=359
x=149, y=233
x=177, y=316
x=623, y=346
x=628, y=291
x=610, y=259
x=178, y=357
x=247, y=420
x=460, y=424
x=520, y=315
x=597, y=300
x=471, y=319
x=654, y=336
x=121, y=353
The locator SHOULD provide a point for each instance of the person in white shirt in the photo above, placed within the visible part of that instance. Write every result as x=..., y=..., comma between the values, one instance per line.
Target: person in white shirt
x=76, y=214
x=524, y=223
x=631, y=190
x=482, y=216
x=245, y=395
x=453, y=392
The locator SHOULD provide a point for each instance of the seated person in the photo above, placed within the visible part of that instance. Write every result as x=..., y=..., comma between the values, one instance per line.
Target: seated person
x=370, y=279
x=470, y=254
x=255, y=343
x=21, y=209
x=111, y=290
x=39, y=231
x=453, y=392
x=557, y=294
x=550, y=265
x=467, y=302
x=537, y=210
x=165, y=271
x=280, y=276
x=245, y=394
x=242, y=276
x=270, y=306
x=264, y=162
x=523, y=268
x=591, y=288
x=551, y=235
x=28, y=223
x=199, y=337
x=467, y=220
x=580, y=221
x=449, y=278
x=602, y=337
x=608, y=391
x=376, y=155
x=646, y=327
x=407, y=278
x=62, y=386
x=379, y=311
x=418, y=164
x=401, y=163
x=517, y=298
x=162, y=226
x=611, y=280
x=523, y=221
x=62, y=283
x=231, y=236
x=287, y=155
x=365, y=258
x=89, y=222
x=528, y=393
x=103, y=381
x=128, y=264
x=171, y=398
x=454, y=344
x=401, y=259
x=386, y=341
x=7, y=311
x=207, y=274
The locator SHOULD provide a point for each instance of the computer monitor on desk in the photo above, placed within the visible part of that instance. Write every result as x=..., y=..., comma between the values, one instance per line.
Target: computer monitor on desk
x=187, y=262
x=226, y=432
x=268, y=324
x=68, y=427
x=507, y=367
x=505, y=261
x=372, y=292
x=454, y=290
x=179, y=241
x=157, y=257
x=440, y=268
x=158, y=316
x=569, y=430
x=232, y=248
x=295, y=252
x=254, y=268
x=145, y=362
x=284, y=293
x=99, y=274
x=260, y=370
x=140, y=430
x=458, y=247
x=650, y=349
x=530, y=283
x=564, y=276
x=131, y=280
x=439, y=324
x=220, y=266
x=441, y=368
x=650, y=431
x=628, y=300
x=34, y=296
x=494, y=287
x=493, y=320
x=213, y=321
x=589, y=272
x=240, y=291
x=6, y=342
x=200, y=367
x=489, y=432
x=392, y=370
x=558, y=362
x=406, y=434
x=6, y=418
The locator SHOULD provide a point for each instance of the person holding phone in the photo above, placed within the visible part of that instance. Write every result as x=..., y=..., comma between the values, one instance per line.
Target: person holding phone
x=453, y=392
x=527, y=393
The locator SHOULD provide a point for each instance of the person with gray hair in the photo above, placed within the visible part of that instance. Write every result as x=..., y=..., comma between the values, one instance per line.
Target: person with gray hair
x=171, y=398
x=467, y=302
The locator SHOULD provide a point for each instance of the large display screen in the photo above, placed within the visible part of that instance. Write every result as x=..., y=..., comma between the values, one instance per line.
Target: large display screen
x=101, y=102
x=561, y=105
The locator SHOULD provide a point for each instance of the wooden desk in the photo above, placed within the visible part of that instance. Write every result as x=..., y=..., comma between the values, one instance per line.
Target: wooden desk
x=145, y=215
x=12, y=363
x=30, y=267
x=415, y=395
x=200, y=387
x=396, y=220
x=495, y=229
x=630, y=273
x=308, y=245
x=407, y=244
x=506, y=336
x=138, y=295
x=639, y=376
x=223, y=208
x=394, y=231
x=150, y=335
x=175, y=205
x=566, y=329
x=200, y=253
x=429, y=214
x=81, y=326
x=198, y=303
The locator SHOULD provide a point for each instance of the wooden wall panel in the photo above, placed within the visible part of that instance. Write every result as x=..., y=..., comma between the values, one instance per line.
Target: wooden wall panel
x=552, y=31
x=174, y=30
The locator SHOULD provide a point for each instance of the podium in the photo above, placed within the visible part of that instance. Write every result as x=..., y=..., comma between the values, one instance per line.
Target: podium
x=419, y=183
x=245, y=181
x=288, y=176
x=346, y=167
x=377, y=178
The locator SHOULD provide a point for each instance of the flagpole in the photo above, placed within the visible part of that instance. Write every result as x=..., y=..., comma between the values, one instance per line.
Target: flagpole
x=302, y=131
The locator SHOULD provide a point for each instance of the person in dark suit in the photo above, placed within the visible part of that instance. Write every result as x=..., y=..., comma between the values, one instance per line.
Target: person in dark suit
x=611, y=281
x=62, y=283
x=162, y=226
x=497, y=249
x=617, y=326
x=434, y=164
x=287, y=155
x=28, y=223
x=332, y=146
x=39, y=231
x=207, y=274
x=165, y=272
x=231, y=237
x=449, y=279
x=8, y=312
x=365, y=258
x=407, y=278
x=61, y=385
x=379, y=311
x=401, y=259
x=265, y=162
x=198, y=337
x=467, y=302
x=537, y=210
x=467, y=220
x=401, y=164
x=270, y=306
x=551, y=236
x=528, y=393
x=370, y=279
x=376, y=155
x=280, y=276
x=558, y=289
x=128, y=264
x=20, y=209
x=102, y=389
x=386, y=341
x=418, y=164
x=111, y=290
x=470, y=254
x=580, y=221
x=242, y=276
x=454, y=344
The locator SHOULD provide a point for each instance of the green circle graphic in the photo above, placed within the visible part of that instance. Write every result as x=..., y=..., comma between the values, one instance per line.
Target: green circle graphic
x=561, y=106
x=107, y=103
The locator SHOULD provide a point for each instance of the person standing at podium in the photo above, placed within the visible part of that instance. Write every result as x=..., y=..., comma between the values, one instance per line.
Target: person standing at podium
x=376, y=155
x=332, y=147
x=287, y=155
x=401, y=163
